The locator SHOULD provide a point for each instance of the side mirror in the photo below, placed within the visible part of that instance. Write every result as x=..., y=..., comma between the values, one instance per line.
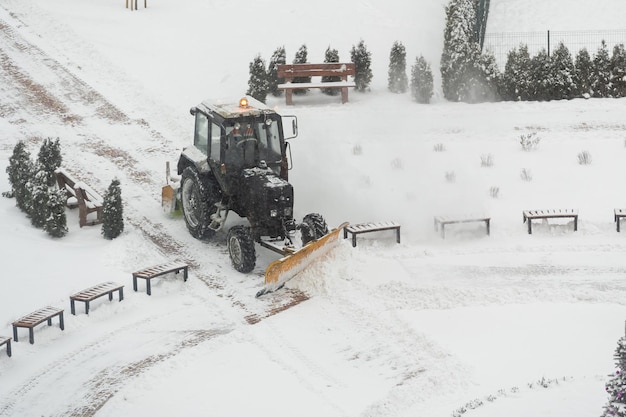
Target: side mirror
x=293, y=125
x=193, y=111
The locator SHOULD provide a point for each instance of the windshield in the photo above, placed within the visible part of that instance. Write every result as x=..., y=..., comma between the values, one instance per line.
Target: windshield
x=249, y=142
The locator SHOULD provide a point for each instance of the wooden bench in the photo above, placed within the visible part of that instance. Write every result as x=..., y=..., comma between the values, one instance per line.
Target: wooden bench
x=618, y=215
x=80, y=195
x=94, y=292
x=329, y=69
x=6, y=341
x=442, y=221
x=356, y=229
x=158, y=270
x=530, y=215
x=37, y=317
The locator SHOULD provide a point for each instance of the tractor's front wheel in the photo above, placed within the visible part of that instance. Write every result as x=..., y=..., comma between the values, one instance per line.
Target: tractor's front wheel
x=313, y=227
x=198, y=204
x=241, y=248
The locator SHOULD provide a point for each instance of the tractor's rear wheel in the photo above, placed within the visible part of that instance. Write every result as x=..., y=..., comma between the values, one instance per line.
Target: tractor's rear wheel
x=198, y=203
x=241, y=248
x=313, y=227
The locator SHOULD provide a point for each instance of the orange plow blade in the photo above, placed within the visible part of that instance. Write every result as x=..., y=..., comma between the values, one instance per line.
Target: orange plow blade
x=284, y=269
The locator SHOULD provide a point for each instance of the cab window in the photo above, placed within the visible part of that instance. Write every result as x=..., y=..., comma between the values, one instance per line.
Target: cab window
x=201, y=135
x=216, y=134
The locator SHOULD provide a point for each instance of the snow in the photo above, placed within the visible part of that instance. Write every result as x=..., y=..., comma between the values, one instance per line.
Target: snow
x=507, y=324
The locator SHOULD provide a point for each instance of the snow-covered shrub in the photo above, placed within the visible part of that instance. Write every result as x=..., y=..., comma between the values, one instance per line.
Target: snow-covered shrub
x=278, y=57
x=541, y=83
x=486, y=160
x=618, y=71
x=526, y=175
x=450, y=176
x=562, y=74
x=584, y=158
x=112, y=211
x=362, y=60
x=56, y=223
x=39, y=191
x=439, y=147
x=331, y=55
x=529, y=141
x=616, y=386
x=258, y=85
x=421, y=81
x=397, y=81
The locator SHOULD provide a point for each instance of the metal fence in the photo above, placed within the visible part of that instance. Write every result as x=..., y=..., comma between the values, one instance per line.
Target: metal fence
x=500, y=44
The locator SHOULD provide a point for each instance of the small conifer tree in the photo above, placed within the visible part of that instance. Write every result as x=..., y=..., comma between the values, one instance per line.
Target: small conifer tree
x=421, y=81
x=541, y=80
x=331, y=55
x=258, y=83
x=583, y=69
x=601, y=72
x=49, y=158
x=278, y=57
x=113, y=211
x=616, y=386
x=397, y=81
x=301, y=58
x=20, y=170
x=517, y=78
x=362, y=60
x=618, y=71
x=40, y=191
x=56, y=224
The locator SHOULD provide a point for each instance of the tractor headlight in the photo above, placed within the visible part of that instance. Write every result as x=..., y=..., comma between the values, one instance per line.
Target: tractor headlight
x=273, y=213
x=288, y=211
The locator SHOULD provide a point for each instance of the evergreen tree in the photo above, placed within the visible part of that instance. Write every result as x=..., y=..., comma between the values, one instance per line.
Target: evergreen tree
x=397, y=81
x=331, y=55
x=113, y=211
x=421, y=81
x=49, y=158
x=583, y=70
x=601, y=78
x=20, y=170
x=616, y=386
x=278, y=57
x=56, y=224
x=618, y=71
x=517, y=77
x=40, y=191
x=362, y=60
x=258, y=83
x=541, y=80
x=466, y=74
x=301, y=58
x=562, y=74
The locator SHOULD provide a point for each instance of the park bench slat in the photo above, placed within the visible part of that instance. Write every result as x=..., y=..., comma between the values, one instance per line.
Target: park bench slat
x=329, y=69
x=91, y=293
x=37, y=317
x=443, y=220
x=356, y=229
x=158, y=270
x=529, y=215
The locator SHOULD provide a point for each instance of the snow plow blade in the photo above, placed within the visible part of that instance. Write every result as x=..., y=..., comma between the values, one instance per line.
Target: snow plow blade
x=282, y=270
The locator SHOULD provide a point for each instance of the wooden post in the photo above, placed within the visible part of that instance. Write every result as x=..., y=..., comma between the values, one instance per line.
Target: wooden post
x=145, y=4
x=127, y=4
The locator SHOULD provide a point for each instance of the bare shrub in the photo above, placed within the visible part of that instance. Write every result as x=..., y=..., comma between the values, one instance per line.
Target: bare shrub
x=396, y=164
x=486, y=160
x=450, y=176
x=529, y=141
x=439, y=147
x=494, y=192
x=584, y=158
x=526, y=175
x=357, y=150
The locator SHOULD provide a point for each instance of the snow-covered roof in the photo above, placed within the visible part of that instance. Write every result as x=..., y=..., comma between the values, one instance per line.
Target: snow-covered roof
x=230, y=108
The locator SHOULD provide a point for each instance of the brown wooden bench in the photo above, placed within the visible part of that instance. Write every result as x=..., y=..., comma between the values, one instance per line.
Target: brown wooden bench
x=37, y=317
x=94, y=292
x=442, y=221
x=356, y=229
x=530, y=215
x=6, y=341
x=158, y=270
x=618, y=215
x=80, y=195
x=329, y=69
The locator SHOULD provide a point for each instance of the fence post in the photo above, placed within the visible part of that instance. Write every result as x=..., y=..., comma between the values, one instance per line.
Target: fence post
x=548, y=44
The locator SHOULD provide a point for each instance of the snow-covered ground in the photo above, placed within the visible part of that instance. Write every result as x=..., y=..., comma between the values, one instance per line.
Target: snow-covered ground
x=507, y=324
